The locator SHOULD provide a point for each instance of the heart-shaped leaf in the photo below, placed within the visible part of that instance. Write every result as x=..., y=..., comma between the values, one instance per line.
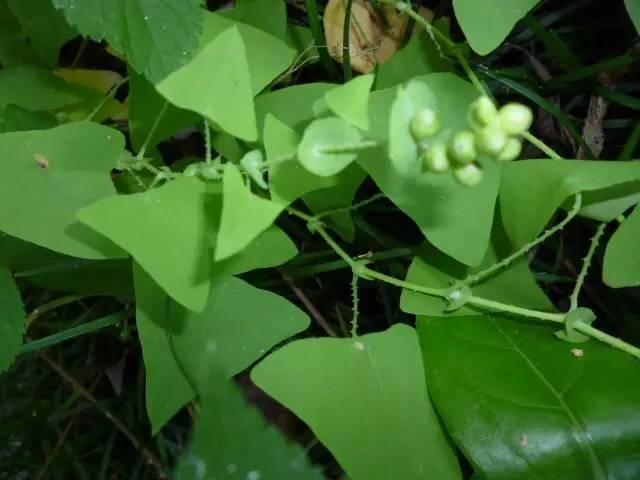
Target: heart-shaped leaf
x=351, y=101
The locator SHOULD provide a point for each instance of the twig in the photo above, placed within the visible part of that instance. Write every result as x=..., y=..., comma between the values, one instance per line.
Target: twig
x=595, y=240
x=122, y=428
x=317, y=316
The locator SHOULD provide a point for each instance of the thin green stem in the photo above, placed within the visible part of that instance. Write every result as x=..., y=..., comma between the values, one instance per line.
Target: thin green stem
x=595, y=240
x=351, y=147
x=350, y=208
x=514, y=309
x=478, y=276
x=608, y=339
x=110, y=94
x=52, y=305
x=152, y=131
x=356, y=304
x=543, y=147
x=318, y=36
x=346, y=42
x=207, y=142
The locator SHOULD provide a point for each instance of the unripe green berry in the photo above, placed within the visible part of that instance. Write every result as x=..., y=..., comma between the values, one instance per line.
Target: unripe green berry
x=482, y=113
x=192, y=170
x=435, y=158
x=491, y=140
x=469, y=176
x=424, y=124
x=462, y=148
x=511, y=151
x=515, y=118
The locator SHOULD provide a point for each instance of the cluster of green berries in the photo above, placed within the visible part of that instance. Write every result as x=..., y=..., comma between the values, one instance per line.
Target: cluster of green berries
x=494, y=133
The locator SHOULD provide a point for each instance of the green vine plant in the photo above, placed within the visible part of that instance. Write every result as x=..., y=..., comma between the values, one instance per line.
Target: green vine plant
x=193, y=256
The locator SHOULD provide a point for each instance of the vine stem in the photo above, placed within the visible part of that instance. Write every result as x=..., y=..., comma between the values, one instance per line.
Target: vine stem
x=346, y=42
x=356, y=304
x=110, y=94
x=355, y=206
x=476, y=277
x=153, y=129
x=543, y=147
x=595, y=240
x=606, y=338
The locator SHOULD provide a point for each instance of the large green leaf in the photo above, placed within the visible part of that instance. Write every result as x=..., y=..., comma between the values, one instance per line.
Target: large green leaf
x=514, y=284
x=47, y=175
x=456, y=219
x=15, y=48
x=633, y=7
x=239, y=324
x=269, y=16
x=45, y=26
x=486, y=23
x=232, y=440
x=366, y=400
x=526, y=206
x=244, y=215
x=165, y=230
x=18, y=119
x=12, y=319
x=145, y=105
x=267, y=56
x=223, y=96
x=523, y=405
x=621, y=266
x=156, y=36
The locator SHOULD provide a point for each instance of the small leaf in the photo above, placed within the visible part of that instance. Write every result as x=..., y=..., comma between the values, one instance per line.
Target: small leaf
x=244, y=215
x=355, y=392
x=12, y=319
x=232, y=440
x=48, y=175
x=165, y=231
x=325, y=146
x=486, y=23
x=622, y=257
x=505, y=385
x=403, y=149
x=145, y=32
x=224, y=97
x=351, y=101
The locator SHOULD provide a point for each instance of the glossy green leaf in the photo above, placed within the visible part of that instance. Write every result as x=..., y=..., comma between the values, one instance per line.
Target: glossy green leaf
x=456, y=219
x=364, y=398
x=238, y=325
x=12, y=319
x=145, y=31
x=419, y=57
x=621, y=266
x=351, y=101
x=145, y=106
x=18, y=119
x=633, y=8
x=48, y=175
x=486, y=23
x=270, y=16
x=514, y=284
x=522, y=405
x=267, y=56
x=556, y=181
x=46, y=28
x=165, y=230
x=237, y=443
x=244, y=215
x=325, y=146
x=403, y=149
x=223, y=96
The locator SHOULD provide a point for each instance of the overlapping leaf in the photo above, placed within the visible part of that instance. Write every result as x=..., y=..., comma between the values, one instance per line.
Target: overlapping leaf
x=521, y=405
x=621, y=266
x=48, y=175
x=365, y=398
x=12, y=319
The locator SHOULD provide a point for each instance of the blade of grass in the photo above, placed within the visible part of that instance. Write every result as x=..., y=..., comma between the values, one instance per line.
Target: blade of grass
x=318, y=37
x=632, y=143
x=346, y=42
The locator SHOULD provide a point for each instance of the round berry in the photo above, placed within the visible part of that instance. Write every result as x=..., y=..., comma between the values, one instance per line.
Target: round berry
x=425, y=124
x=482, y=113
x=511, y=151
x=435, y=158
x=469, y=176
x=462, y=148
x=491, y=140
x=515, y=118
